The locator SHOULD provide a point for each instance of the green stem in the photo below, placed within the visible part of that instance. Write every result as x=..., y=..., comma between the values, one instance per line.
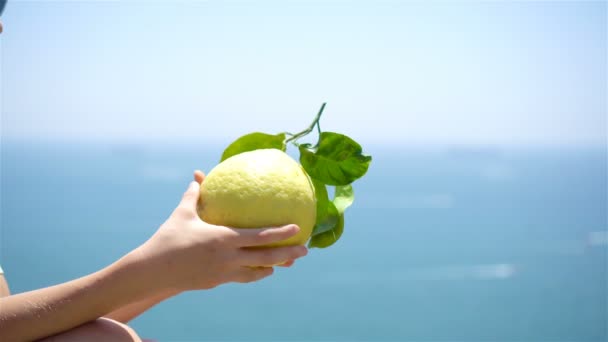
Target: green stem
x=297, y=136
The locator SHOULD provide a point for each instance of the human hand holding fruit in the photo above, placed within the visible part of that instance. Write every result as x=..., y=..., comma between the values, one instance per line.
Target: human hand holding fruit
x=191, y=254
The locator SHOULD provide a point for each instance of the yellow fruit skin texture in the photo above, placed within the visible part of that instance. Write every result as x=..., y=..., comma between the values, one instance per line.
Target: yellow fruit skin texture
x=257, y=189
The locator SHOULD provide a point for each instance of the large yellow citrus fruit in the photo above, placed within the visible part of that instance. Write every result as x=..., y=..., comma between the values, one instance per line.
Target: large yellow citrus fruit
x=261, y=188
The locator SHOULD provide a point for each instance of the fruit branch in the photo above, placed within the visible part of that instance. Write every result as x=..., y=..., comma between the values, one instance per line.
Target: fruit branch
x=297, y=136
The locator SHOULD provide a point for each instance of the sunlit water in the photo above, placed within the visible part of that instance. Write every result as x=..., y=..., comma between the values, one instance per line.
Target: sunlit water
x=441, y=244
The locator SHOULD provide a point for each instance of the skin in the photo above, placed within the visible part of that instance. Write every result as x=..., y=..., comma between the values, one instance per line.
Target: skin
x=186, y=252
x=4, y=290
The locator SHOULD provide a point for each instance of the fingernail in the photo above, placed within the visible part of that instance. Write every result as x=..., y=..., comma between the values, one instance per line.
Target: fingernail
x=303, y=251
x=193, y=185
x=294, y=227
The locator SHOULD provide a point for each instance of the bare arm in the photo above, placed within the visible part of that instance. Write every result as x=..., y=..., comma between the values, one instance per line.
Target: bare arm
x=40, y=313
x=130, y=311
x=189, y=253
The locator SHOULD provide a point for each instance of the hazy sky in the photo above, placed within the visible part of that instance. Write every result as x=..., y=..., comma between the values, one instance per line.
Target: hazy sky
x=391, y=71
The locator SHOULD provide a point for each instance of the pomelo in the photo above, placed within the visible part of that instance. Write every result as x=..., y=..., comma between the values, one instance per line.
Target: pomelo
x=260, y=188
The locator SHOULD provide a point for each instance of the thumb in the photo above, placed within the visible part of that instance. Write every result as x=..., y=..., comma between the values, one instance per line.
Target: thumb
x=191, y=195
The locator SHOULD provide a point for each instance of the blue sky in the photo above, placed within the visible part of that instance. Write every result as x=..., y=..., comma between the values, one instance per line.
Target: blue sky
x=392, y=72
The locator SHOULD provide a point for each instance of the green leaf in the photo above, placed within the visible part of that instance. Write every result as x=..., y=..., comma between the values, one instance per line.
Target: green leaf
x=329, y=237
x=337, y=161
x=343, y=197
x=327, y=221
x=327, y=213
x=321, y=196
x=331, y=226
x=254, y=141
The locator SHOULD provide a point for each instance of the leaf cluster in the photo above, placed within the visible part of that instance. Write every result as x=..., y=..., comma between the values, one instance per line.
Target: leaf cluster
x=335, y=160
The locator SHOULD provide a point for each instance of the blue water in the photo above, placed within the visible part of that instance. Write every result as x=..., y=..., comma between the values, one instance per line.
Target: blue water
x=441, y=244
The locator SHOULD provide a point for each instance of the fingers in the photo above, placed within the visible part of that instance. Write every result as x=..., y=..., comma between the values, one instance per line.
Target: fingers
x=263, y=236
x=191, y=195
x=288, y=263
x=199, y=176
x=250, y=274
x=271, y=256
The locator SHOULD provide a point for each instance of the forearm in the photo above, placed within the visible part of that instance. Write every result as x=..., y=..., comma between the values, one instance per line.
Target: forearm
x=45, y=312
x=130, y=311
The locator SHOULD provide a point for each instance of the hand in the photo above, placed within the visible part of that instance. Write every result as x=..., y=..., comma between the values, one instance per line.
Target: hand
x=199, y=177
x=190, y=254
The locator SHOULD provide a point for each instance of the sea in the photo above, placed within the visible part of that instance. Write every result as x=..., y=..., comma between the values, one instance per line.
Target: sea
x=442, y=243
